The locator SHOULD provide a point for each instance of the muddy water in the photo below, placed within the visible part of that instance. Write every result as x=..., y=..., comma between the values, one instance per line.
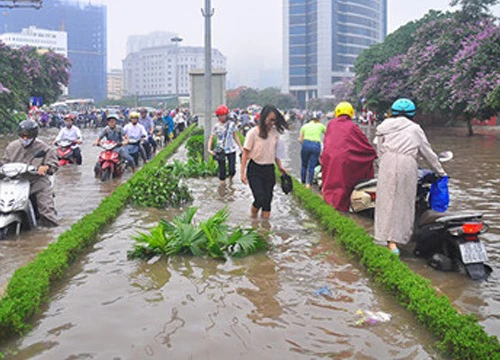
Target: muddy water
x=77, y=193
x=474, y=185
x=263, y=306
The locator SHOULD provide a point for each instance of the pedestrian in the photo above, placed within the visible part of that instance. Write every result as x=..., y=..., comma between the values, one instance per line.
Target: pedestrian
x=262, y=149
x=310, y=139
x=347, y=158
x=225, y=132
x=400, y=142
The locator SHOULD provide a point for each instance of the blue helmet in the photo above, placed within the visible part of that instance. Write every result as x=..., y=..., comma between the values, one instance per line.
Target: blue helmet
x=404, y=107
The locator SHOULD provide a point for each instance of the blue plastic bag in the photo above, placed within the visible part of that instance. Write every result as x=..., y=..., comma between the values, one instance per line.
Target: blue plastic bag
x=439, y=198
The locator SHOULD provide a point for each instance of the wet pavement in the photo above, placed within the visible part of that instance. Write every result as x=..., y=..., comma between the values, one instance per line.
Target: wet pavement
x=262, y=306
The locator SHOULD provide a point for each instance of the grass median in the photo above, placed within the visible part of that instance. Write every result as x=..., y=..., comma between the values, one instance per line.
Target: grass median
x=29, y=287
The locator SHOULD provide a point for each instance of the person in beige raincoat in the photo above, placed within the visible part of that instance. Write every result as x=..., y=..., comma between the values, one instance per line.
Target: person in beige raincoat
x=400, y=141
x=25, y=150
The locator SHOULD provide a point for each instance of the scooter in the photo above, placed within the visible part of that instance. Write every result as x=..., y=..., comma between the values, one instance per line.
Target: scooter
x=17, y=209
x=134, y=150
x=158, y=135
x=65, y=152
x=109, y=164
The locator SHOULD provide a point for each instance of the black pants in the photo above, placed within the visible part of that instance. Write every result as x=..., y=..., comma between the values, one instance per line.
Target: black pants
x=231, y=157
x=262, y=180
x=78, y=156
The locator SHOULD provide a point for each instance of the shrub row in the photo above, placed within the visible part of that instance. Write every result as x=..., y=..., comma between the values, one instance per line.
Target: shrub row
x=29, y=286
x=459, y=336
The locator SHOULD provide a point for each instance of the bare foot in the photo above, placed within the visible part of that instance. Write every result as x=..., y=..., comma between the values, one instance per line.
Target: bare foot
x=308, y=186
x=265, y=214
x=254, y=212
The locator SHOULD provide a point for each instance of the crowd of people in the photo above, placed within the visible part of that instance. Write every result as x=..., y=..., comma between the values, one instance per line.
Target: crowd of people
x=346, y=155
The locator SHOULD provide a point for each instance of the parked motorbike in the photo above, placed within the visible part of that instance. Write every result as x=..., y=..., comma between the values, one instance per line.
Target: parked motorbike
x=17, y=209
x=65, y=152
x=109, y=164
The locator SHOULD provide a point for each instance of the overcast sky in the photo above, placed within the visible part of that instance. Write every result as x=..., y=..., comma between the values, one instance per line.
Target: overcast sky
x=249, y=33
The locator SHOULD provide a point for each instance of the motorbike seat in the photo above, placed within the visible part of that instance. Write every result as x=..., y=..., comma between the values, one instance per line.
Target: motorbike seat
x=431, y=216
x=365, y=184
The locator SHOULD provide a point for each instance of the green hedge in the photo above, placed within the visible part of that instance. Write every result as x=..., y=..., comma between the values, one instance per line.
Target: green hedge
x=459, y=336
x=29, y=286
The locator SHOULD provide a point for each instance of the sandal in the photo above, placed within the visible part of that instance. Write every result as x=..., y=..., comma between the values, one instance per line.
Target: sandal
x=395, y=251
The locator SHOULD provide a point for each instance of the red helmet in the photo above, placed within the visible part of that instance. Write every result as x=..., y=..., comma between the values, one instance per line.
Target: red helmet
x=222, y=110
x=69, y=117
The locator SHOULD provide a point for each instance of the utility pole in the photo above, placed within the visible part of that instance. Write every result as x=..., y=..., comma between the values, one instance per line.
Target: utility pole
x=208, y=12
x=176, y=40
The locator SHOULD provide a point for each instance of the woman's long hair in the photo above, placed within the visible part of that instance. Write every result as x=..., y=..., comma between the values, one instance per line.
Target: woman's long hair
x=280, y=122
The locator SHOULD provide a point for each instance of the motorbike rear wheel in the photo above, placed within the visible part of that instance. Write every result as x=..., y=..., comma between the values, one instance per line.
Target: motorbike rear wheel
x=106, y=174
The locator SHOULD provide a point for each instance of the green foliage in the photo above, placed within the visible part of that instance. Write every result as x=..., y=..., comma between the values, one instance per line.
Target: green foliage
x=249, y=96
x=212, y=237
x=195, y=146
x=194, y=168
x=159, y=188
x=473, y=9
x=29, y=286
x=460, y=336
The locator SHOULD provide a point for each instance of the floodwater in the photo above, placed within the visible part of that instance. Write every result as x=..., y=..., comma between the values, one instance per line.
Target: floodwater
x=263, y=306
x=474, y=185
x=77, y=193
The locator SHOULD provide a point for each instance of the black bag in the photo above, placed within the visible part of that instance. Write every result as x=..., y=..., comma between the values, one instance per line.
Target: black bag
x=286, y=183
x=219, y=155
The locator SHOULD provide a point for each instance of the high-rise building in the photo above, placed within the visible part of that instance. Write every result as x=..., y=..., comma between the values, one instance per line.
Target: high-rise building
x=86, y=26
x=322, y=39
x=157, y=68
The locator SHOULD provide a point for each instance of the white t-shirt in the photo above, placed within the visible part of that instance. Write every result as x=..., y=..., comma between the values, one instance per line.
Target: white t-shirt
x=135, y=132
x=71, y=134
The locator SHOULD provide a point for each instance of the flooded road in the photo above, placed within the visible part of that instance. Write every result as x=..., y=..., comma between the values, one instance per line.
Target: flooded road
x=263, y=306
x=474, y=185
x=77, y=193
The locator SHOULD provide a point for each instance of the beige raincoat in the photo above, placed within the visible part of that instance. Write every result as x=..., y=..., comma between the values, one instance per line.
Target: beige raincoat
x=400, y=141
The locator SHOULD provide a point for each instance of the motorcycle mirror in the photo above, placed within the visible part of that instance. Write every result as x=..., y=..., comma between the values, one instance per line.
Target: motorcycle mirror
x=40, y=154
x=445, y=156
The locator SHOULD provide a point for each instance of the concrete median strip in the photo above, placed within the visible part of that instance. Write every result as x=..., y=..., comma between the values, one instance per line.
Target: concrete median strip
x=29, y=287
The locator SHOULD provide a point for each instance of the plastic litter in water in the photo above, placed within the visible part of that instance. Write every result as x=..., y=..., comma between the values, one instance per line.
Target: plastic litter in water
x=372, y=318
x=324, y=291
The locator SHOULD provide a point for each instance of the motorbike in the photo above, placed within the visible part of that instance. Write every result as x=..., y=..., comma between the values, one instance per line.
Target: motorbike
x=134, y=150
x=449, y=241
x=65, y=152
x=158, y=135
x=109, y=164
x=17, y=208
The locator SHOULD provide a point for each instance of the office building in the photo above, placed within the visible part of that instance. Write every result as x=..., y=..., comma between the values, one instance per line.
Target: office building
x=85, y=24
x=322, y=39
x=115, y=84
x=41, y=39
x=161, y=72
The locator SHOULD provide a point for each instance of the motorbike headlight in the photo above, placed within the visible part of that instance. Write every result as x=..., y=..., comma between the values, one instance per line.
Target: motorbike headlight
x=11, y=170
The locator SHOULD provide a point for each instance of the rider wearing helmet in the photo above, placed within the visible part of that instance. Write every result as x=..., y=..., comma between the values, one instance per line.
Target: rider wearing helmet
x=30, y=150
x=114, y=132
x=72, y=134
x=311, y=139
x=400, y=142
x=347, y=158
x=148, y=123
x=136, y=134
x=228, y=142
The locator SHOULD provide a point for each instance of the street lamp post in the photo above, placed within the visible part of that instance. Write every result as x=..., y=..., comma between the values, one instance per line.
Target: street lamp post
x=208, y=12
x=176, y=40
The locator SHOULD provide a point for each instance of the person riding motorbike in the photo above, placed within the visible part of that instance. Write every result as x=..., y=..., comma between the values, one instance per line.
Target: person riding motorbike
x=400, y=141
x=136, y=134
x=114, y=132
x=27, y=150
x=146, y=121
x=347, y=158
x=71, y=133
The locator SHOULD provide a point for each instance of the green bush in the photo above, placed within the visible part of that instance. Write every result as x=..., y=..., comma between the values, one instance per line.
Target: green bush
x=194, y=146
x=28, y=288
x=159, y=188
x=212, y=237
x=460, y=336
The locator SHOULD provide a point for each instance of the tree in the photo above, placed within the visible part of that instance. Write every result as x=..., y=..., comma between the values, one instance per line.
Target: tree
x=473, y=9
x=249, y=96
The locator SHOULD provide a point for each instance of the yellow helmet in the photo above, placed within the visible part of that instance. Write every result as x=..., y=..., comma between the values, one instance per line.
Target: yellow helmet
x=344, y=108
x=134, y=114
